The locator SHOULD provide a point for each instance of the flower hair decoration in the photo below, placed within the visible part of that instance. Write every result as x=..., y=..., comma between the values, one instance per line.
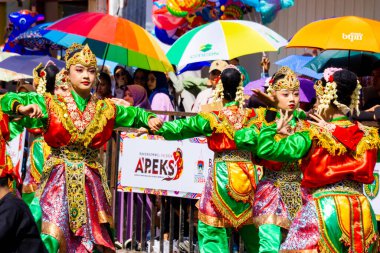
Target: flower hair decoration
x=328, y=94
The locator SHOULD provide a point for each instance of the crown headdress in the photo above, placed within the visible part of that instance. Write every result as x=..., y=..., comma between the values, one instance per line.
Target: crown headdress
x=79, y=54
x=288, y=82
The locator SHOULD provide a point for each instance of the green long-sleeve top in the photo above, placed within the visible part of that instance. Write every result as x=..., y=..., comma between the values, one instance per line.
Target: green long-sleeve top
x=220, y=127
x=125, y=116
x=292, y=147
x=247, y=138
x=185, y=128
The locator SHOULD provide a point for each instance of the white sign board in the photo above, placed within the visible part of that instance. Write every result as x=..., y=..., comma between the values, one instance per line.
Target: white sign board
x=156, y=166
x=372, y=192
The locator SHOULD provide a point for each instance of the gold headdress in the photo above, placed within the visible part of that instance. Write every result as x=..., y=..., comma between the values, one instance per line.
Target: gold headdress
x=79, y=54
x=328, y=94
x=288, y=82
x=218, y=94
x=39, y=79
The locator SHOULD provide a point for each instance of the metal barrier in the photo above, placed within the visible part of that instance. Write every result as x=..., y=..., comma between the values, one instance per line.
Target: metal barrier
x=182, y=212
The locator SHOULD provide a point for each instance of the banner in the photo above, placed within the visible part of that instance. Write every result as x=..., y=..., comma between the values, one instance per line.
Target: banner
x=15, y=149
x=152, y=165
x=372, y=191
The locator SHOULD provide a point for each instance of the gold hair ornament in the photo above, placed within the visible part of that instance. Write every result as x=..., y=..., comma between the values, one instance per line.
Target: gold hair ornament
x=39, y=79
x=239, y=97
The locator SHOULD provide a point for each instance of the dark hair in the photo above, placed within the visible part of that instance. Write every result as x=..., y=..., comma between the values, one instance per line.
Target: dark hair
x=231, y=78
x=277, y=77
x=51, y=71
x=346, y=82
x=3, y=181
x=376, y=65
x=145, y=72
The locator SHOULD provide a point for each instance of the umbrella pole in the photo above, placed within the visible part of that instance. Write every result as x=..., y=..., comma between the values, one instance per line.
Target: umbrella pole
x=349, y=56
x=105, y=56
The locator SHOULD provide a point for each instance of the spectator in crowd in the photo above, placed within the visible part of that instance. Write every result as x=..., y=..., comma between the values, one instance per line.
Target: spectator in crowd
x=159, y=98
x=25, y=85
x=103, y=90
x=122, y=79
x=183, y=99
x=137, y=96
x=206, y=96
x=140, y=77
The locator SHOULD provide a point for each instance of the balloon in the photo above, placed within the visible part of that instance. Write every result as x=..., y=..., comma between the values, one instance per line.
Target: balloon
x=253, y=3
x=167, y=37
x=163, y=19
x=269, y=9
x=182, y=8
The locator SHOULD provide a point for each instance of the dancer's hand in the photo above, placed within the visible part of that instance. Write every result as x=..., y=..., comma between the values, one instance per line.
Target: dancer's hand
x=155, y=124
x=319, y=121
x=142, y=131
x=283, y=126
x=32, y=111
x=265, y=98
x=265, y=64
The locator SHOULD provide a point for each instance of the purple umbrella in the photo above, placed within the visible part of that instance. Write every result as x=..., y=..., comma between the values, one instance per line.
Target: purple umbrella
x=307, y=92
x=24, y=64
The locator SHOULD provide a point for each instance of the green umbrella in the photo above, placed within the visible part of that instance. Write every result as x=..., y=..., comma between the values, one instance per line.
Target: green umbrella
x=356, y=61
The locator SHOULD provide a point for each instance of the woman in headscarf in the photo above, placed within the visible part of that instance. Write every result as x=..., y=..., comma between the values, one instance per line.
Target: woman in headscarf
x=137, y=96
x=159, y=98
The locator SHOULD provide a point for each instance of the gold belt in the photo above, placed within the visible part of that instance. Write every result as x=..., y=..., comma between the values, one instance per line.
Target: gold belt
x=75, y=153
x=344, y=185
x=284, y=176
x=233, y=156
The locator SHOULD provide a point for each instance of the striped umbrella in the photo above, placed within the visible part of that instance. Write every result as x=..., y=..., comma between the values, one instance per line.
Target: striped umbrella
x=223, y=39
x=111, y=38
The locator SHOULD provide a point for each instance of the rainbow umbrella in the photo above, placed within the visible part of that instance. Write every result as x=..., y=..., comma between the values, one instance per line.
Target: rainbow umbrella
x=111, y=38
x=223, y=39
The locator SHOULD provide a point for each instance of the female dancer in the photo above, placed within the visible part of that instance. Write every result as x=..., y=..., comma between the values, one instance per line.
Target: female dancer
x=279, y=196
x=341, y=158
x=74, y=195
x=227, y=198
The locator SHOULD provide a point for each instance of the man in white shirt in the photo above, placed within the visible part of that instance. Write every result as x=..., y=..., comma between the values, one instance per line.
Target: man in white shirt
x=206, y=96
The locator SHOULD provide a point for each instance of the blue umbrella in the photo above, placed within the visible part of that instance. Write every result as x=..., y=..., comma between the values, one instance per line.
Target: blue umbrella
x=297, y=63
x=33, y=38
x=356, y=61
x=24, y=64
x=194, y=66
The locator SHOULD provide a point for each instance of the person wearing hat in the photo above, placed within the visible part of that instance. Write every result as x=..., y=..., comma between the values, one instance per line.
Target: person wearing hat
x=206, y=96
